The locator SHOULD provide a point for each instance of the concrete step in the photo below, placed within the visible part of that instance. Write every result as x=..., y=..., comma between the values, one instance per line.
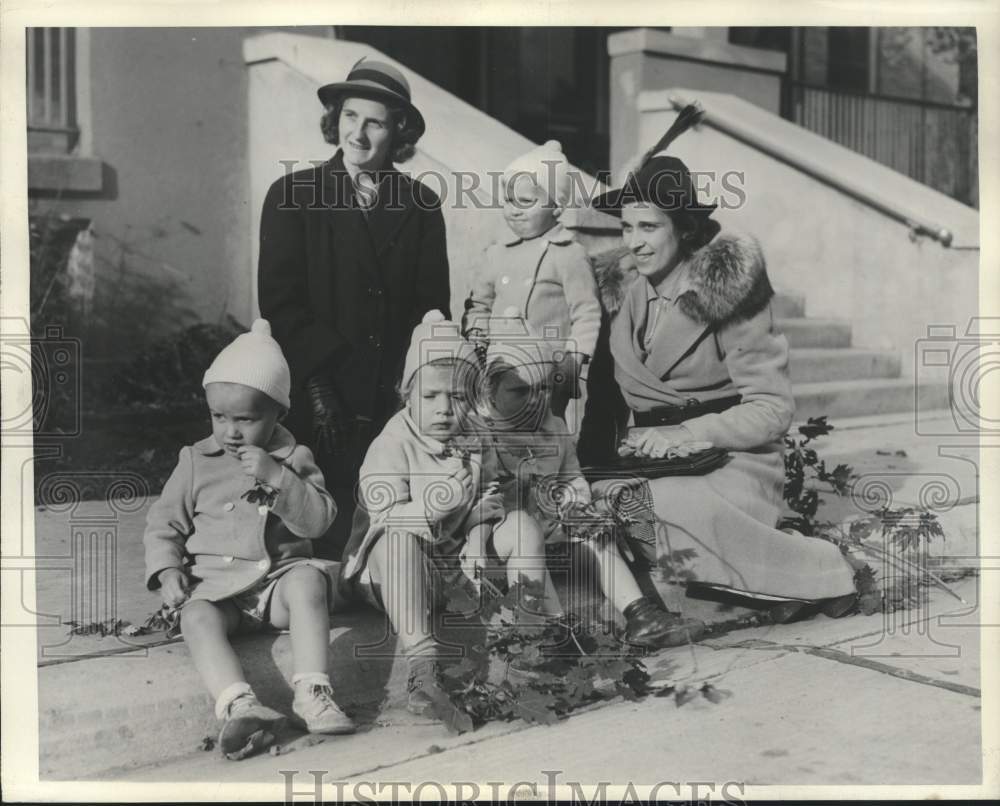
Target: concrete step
x=149, y=706
x=787, y=305
x=815, y=364
x=814, y=332
x=854, y=398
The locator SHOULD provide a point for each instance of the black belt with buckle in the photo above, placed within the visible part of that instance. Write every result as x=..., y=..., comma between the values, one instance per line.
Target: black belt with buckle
x=675, y=415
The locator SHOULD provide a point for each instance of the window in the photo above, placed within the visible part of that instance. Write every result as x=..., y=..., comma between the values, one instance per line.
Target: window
x=847, y=60
x=60, y=156
x=51, y=91
x=765, y=38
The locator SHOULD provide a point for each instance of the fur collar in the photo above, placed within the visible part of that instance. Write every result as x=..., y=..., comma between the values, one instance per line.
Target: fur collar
x=728, y=278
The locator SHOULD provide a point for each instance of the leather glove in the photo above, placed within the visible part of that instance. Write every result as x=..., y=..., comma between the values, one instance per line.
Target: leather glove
x=567, y=380
x=328, y=420
x=571, y=369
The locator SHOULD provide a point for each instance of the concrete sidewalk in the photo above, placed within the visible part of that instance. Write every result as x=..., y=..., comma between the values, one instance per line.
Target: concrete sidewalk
x=853, y=701
x=108, y=705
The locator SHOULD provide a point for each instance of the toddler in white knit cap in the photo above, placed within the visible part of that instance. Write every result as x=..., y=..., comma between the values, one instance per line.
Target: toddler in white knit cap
x=542, y=271
x=423, y=493
x=229, y=544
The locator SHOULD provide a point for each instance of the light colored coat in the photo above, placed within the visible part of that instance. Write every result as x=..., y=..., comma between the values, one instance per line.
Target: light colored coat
x=536, y=469
x=549, y=280
x=201, y=516
x=403, y=479
x=717, y=341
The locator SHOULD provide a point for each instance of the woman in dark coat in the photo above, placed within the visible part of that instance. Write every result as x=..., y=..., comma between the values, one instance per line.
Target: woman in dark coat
x=697, y=359
x=352, y=254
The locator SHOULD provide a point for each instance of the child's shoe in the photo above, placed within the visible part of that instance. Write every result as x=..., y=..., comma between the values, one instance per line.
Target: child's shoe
x=315, y=707
x=646, y=625
x=249, y=727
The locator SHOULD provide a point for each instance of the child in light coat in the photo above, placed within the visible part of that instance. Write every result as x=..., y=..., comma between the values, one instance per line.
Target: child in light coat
x=536, y=460
x=543, y=272
x=229, y=544
x=422, y=490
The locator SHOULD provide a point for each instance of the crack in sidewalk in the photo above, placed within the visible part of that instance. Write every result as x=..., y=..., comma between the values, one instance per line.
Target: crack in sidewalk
x=839, y=656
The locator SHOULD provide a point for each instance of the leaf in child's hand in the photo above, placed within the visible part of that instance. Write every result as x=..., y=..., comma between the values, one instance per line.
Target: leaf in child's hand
x=208, y=743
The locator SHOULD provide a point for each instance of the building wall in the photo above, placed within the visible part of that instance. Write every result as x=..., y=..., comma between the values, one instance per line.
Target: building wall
x=645, y=59
x=168, y=116
x=850, y=261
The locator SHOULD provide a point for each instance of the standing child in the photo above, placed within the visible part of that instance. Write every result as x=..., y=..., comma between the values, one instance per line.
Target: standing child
x=228, y=542
x=420, y=486
x=538, y=459
x=543, y=272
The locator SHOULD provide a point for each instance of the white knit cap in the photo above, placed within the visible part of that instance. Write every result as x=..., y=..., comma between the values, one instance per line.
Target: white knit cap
x=253, y=359
x=547, y=167
x=522, y=347
x=433, y=339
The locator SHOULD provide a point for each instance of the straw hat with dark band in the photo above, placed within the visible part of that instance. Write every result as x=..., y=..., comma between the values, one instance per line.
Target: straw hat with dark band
x=661, y=180
x=378, y=81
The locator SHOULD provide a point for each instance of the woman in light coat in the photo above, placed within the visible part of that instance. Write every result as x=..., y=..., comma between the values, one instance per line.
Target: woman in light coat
x=697, y=359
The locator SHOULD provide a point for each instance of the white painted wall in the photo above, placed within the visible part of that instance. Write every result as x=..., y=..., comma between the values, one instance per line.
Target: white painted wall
x=849, y=260
x=284, y=73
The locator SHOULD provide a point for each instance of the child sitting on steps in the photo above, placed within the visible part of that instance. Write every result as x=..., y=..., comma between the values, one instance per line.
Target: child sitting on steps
x=537, y=456
x=422, y=494
x=229, y=543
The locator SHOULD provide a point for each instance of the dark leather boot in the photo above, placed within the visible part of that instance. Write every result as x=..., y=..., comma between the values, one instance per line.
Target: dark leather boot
x=646, y=625
x=838, y=606
x=786, y=612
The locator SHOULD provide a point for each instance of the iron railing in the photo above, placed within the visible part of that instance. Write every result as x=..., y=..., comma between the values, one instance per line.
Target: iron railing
x=933, y=143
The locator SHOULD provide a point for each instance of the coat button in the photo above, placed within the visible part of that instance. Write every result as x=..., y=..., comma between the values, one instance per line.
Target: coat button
x=263, y=564
x=504, y=280
x=229, y=506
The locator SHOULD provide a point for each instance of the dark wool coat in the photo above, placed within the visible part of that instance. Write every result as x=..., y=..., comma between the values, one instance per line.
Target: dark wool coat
x=343, y=291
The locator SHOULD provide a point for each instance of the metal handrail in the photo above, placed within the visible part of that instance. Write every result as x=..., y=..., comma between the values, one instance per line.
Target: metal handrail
x=916, y=225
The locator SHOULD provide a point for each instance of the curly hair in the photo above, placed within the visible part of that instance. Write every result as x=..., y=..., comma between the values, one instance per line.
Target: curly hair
x=404, y=136
x=693, y=231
